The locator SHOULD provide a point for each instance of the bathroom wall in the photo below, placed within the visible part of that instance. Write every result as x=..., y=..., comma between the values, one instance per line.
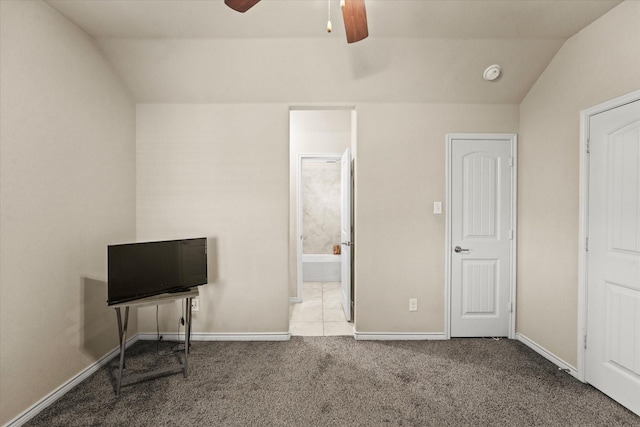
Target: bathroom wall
x=320, y=206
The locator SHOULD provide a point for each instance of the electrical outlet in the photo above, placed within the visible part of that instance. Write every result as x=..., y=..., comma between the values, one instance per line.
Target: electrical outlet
x=195, y=304
x=413, y=304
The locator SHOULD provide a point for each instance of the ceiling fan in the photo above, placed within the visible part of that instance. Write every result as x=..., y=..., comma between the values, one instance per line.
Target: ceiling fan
x=353, y=13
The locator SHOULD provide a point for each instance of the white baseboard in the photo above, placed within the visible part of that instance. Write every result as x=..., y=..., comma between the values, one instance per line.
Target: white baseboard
x=209, y=336
x=561, y=364
x=43, y=403
x=399, y=336
x=295, y=300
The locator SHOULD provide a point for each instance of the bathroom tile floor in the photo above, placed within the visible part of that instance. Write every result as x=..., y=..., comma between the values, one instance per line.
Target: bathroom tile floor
x=320, y=312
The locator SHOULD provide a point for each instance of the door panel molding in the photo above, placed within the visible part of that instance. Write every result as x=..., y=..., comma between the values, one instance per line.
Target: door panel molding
x=512, y=139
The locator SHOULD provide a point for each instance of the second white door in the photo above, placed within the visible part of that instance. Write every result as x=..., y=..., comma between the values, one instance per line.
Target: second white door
x=481, y=234
x=612, y=355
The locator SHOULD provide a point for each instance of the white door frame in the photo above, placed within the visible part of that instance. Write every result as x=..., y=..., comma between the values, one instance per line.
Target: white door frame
x=513, y=139
x=324, y=156
x=585, y=116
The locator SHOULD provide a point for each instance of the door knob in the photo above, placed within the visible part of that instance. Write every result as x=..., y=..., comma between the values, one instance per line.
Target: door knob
x=346, y=243
x=458, y=250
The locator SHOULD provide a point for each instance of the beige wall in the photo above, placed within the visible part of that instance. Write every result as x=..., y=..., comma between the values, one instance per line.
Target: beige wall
x=399, y=242
x=202, y=171
x=67, y=136
x=599, y=63
x=220, y=171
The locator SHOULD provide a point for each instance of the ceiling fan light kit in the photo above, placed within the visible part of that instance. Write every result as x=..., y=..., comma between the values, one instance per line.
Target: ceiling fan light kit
x=354, y=14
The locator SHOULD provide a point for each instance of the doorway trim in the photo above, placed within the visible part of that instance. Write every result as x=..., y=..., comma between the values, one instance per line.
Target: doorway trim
x=299, y=215
x=513, y=139
x=583, y=221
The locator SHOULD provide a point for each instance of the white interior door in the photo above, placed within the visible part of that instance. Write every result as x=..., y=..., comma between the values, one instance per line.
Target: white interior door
x=345, y=232
x=612, y=354
x=481, y=234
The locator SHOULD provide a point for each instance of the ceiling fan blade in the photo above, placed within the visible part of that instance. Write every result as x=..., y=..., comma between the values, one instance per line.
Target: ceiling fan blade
x=354, y=14
x=241, y=5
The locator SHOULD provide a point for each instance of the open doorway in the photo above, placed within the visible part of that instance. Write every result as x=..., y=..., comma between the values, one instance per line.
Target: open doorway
x=320, y=222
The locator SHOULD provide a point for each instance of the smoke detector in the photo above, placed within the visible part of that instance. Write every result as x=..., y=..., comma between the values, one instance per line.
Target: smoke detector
x=492, y=72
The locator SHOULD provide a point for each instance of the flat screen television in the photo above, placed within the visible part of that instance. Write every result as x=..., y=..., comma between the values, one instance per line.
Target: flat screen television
x=139, y=270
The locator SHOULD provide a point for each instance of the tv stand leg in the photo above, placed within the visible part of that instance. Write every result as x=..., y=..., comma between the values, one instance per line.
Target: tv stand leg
x=122, y=331
x=187, y=337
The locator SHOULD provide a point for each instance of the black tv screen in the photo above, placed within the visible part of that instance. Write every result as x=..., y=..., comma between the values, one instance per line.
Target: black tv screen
x=139, y=270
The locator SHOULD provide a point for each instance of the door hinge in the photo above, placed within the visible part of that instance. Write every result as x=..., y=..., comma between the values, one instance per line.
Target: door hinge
x=510, y=162
x=588, y=145
x=586, y=244
x=584, y=340
x=510, y=307
x=510, y=234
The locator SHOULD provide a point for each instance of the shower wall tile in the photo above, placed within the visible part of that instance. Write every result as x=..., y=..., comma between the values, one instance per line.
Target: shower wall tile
x=321, y=207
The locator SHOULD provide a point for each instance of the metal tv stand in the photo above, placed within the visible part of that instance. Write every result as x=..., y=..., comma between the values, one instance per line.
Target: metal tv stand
x=122, y=330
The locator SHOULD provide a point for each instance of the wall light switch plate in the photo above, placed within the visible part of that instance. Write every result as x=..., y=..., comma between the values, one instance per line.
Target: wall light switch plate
x=413, y=304
x=437, y=208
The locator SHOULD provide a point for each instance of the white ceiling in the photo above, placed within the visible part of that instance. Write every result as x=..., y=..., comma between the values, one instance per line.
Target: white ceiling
x=279, y=51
